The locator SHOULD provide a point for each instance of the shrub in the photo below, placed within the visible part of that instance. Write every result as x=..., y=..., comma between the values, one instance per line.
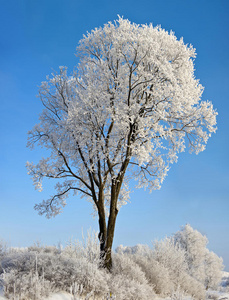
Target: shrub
x=124, y=265
x=172, y=257
x=124, y=288
x=191, y=286
x=90, y=277
x=213, y=270
x=157, y=275
x=59, y=271
x=26, y=286
x=88, y=249
x=139, y=249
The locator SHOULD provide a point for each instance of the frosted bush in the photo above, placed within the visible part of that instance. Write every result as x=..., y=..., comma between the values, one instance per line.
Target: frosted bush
x=165, y=268
x=26, y=286
x=124, y=288
x=172, y=257
x=2, y=254
x=60, y=271
x=213, y=270
x=21, y=262
x=169, y=269
x=191, y=286
x=44, y=249
x=156, y=274
x=91, y=277
x=89, y=248
x=124, y=265
x=23, y=276
x=2, y=249
x=139, y=249
x=63, y=272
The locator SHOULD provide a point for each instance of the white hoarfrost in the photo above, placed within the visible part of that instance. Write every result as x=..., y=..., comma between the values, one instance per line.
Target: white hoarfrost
x=138, y=273
x=132, y=104
x=202, y=264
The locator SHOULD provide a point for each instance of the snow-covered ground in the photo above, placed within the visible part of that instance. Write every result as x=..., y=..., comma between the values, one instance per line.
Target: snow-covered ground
x=65, y=296
x=214, y=295
x=56, y=296
x=60, y=296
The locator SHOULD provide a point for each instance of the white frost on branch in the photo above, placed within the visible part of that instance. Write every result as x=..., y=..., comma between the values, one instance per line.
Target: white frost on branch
x=130, y=107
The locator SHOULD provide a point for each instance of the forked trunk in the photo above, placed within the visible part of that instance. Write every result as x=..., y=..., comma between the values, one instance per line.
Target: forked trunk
x=106, y=244
x=106, y=234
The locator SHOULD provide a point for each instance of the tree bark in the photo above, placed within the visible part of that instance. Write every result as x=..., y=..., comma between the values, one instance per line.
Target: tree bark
x=110, y=238
x=106, y=234
x=102, y=224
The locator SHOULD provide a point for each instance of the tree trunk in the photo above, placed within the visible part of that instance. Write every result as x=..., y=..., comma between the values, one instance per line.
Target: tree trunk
x=107, y=246
x=110, y=238
x=106, y=234
x=102, y=225
x=102, y=234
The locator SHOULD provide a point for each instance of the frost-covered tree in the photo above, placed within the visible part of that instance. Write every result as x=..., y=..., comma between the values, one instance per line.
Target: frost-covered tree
x=129, y=108
x=194, y=244
x=213, y=270
x=203, y=265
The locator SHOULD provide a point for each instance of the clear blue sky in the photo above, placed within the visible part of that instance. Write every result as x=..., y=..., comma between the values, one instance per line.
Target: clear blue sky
x=39, y=36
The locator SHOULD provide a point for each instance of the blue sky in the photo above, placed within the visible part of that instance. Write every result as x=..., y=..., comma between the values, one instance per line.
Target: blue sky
x=38, y=37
